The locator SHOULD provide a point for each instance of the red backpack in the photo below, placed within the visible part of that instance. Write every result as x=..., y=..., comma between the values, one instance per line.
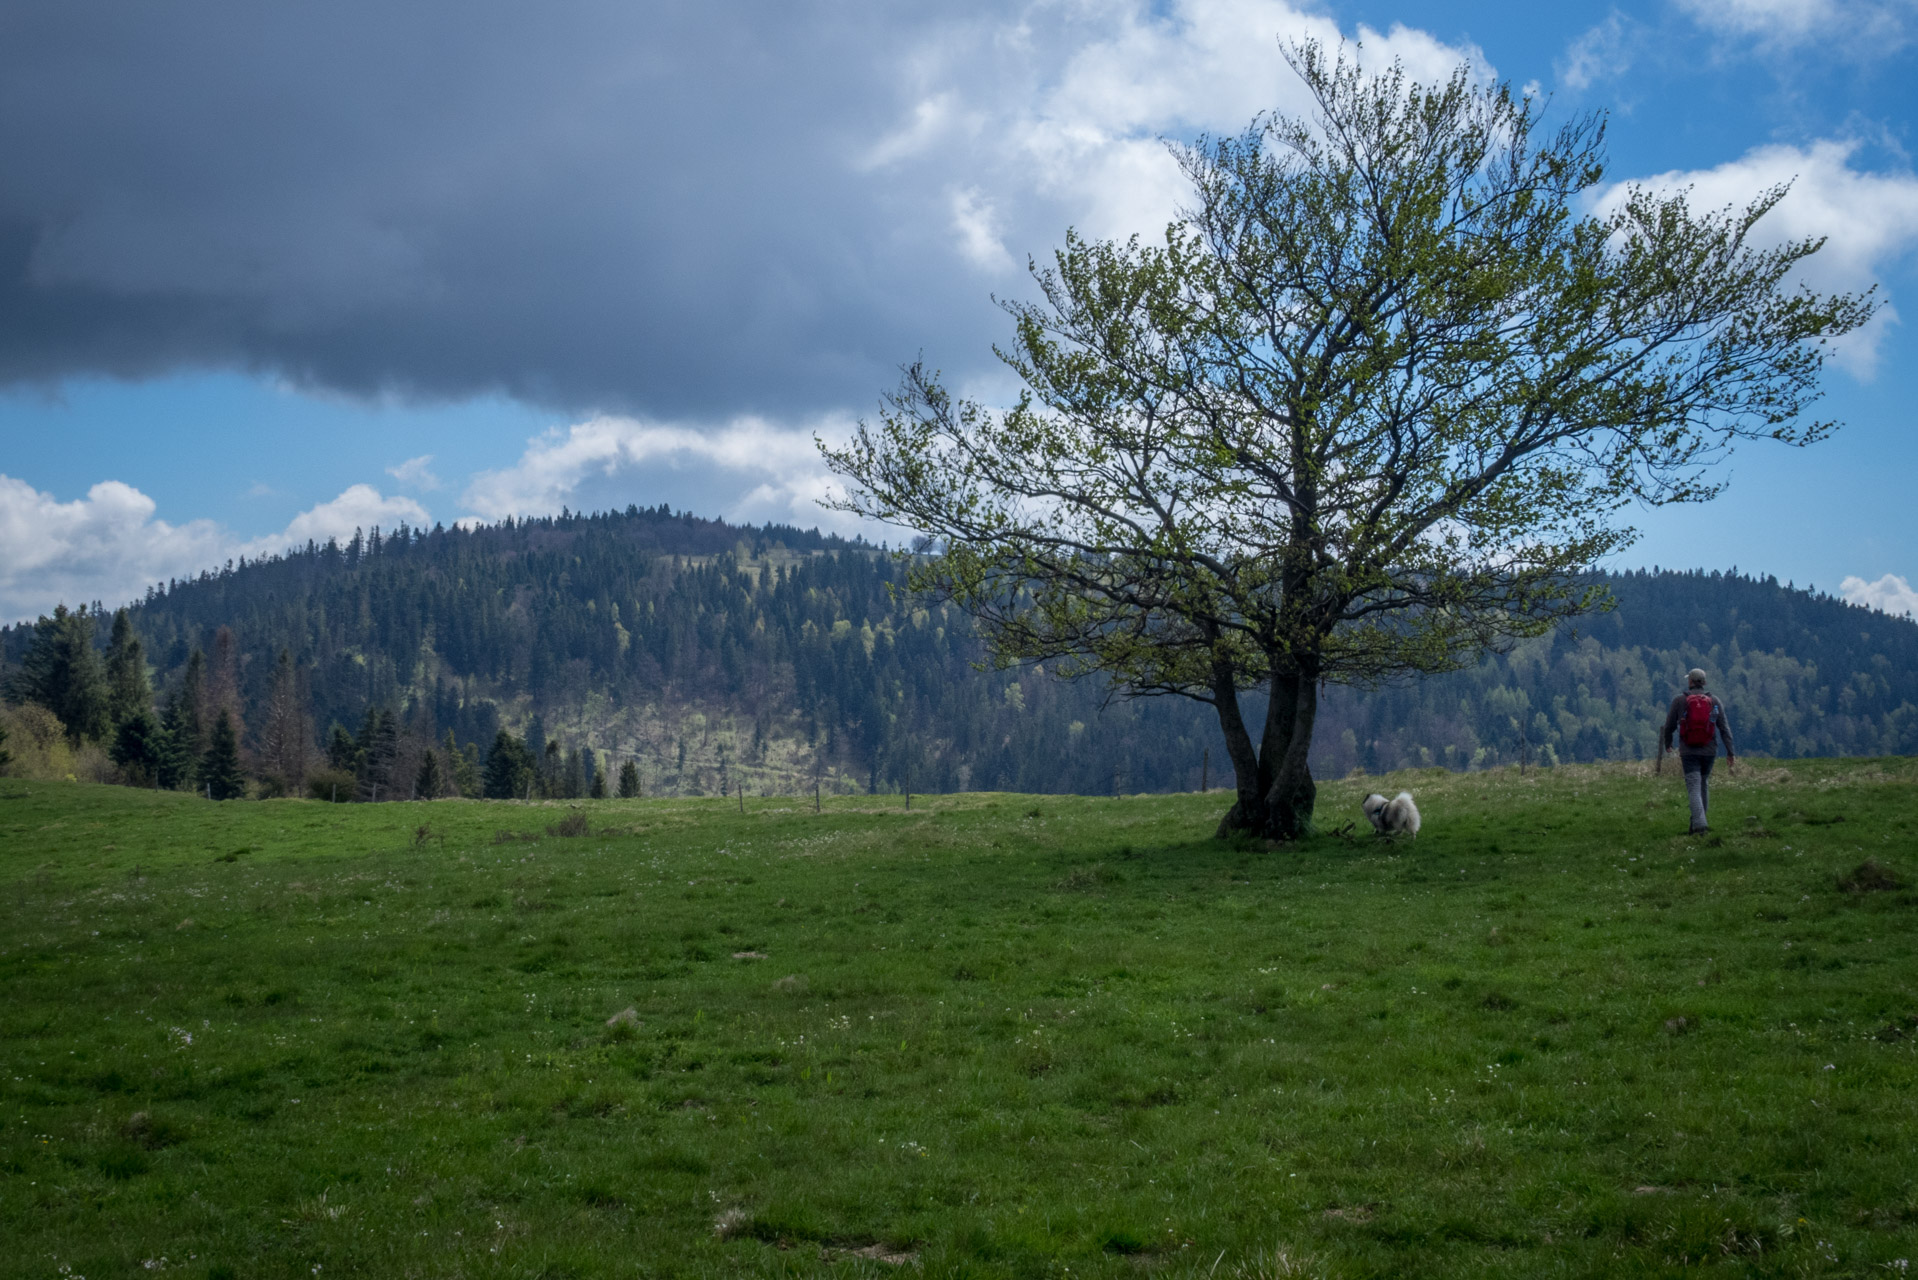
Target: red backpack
x=1696, y=729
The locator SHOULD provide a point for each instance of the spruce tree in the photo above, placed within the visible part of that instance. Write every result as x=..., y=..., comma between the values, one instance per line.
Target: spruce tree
x=61, y=671
x=629, y=781
x=598, y=790
x=220, y=771
x=427, y=784
x=341, y=751
x=6, y=756
x=34, y=679
x=175, y=766
x=507, y=768
x=128, y=693
x=138, y=747
x=379, y=743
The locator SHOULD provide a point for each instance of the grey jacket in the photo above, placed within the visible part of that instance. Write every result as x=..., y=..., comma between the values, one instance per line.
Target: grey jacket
x=1676, y=714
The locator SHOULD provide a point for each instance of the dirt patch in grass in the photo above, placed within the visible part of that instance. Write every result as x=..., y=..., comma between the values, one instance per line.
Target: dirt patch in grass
x=1352, y=1212
x=1870, y=876
x=874, y=1253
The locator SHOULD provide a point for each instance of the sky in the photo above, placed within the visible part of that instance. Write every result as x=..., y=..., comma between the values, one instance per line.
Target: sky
x=272, y=272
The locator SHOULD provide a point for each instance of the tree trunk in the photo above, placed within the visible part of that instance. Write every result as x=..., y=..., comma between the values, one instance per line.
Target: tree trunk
x=1276, y=791
x=1290, y=797
x=1239, y=749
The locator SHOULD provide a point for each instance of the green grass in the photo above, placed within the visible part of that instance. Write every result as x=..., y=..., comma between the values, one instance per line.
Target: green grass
x=995, y=1036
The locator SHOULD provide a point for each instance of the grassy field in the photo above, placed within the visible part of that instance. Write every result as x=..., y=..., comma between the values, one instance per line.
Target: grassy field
x=994, y=1036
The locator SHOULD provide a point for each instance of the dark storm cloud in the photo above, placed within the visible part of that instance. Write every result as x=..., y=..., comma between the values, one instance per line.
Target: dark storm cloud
x=654, y=208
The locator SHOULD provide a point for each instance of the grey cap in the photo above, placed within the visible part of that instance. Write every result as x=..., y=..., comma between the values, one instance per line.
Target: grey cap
x=1696, y=676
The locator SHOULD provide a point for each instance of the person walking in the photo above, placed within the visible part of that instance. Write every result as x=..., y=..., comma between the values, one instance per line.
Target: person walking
x=1697, y=720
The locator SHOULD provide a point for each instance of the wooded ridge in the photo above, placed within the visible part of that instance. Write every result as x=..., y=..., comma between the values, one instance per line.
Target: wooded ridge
x=713, y=656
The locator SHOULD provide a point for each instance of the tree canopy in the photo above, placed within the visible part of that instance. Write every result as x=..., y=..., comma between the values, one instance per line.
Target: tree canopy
x=1370, y=410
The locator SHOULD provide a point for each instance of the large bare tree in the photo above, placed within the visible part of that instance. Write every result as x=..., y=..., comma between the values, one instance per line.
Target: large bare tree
x=1370, y=410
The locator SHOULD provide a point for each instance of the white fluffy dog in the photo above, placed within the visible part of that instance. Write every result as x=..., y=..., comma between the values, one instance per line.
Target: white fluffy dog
x=1395, y=817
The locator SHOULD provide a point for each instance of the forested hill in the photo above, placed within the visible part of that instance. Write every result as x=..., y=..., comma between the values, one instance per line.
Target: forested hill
x=710, y=653
x=1802, y=674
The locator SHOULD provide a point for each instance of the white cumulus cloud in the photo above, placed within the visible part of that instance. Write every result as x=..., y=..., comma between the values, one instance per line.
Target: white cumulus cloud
x=1870, y=219
x=106, y=546
x=110, y=545
x=1057, y=118
x=1890, y=594
x=416, y=472
x=1603, y=52
x=1200, y=65
x=1865, y=27
x=360, y=507
x=749, y=470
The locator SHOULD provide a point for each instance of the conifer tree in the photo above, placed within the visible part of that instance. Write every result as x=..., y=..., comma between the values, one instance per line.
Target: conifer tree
x=629, y=781
x=138, y=747
x=128, y=693
x=341, y=751
x=193, y=719
x=378, y=745
x=284, y=735
x=175, y=765
x=6, y=756
x=428, y=784
x=61, y=671
x=508, y=769
x=220, y=771
x=598, y=790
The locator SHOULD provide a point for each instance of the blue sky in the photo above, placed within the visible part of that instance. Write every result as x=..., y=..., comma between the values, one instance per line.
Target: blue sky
x=268, y=274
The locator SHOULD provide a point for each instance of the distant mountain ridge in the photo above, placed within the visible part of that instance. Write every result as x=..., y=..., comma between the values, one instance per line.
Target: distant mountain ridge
x=717, y=655
x=1802, y=674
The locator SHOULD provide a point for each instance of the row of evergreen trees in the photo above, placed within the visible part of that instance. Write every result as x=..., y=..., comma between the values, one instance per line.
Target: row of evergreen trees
x=191, y=741
x=516, y=768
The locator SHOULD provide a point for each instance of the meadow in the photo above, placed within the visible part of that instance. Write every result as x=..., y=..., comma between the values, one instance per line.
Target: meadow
x=991, y=1035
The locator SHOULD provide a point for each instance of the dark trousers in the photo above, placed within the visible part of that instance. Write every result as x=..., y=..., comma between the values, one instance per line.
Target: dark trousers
x=1698, y=786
